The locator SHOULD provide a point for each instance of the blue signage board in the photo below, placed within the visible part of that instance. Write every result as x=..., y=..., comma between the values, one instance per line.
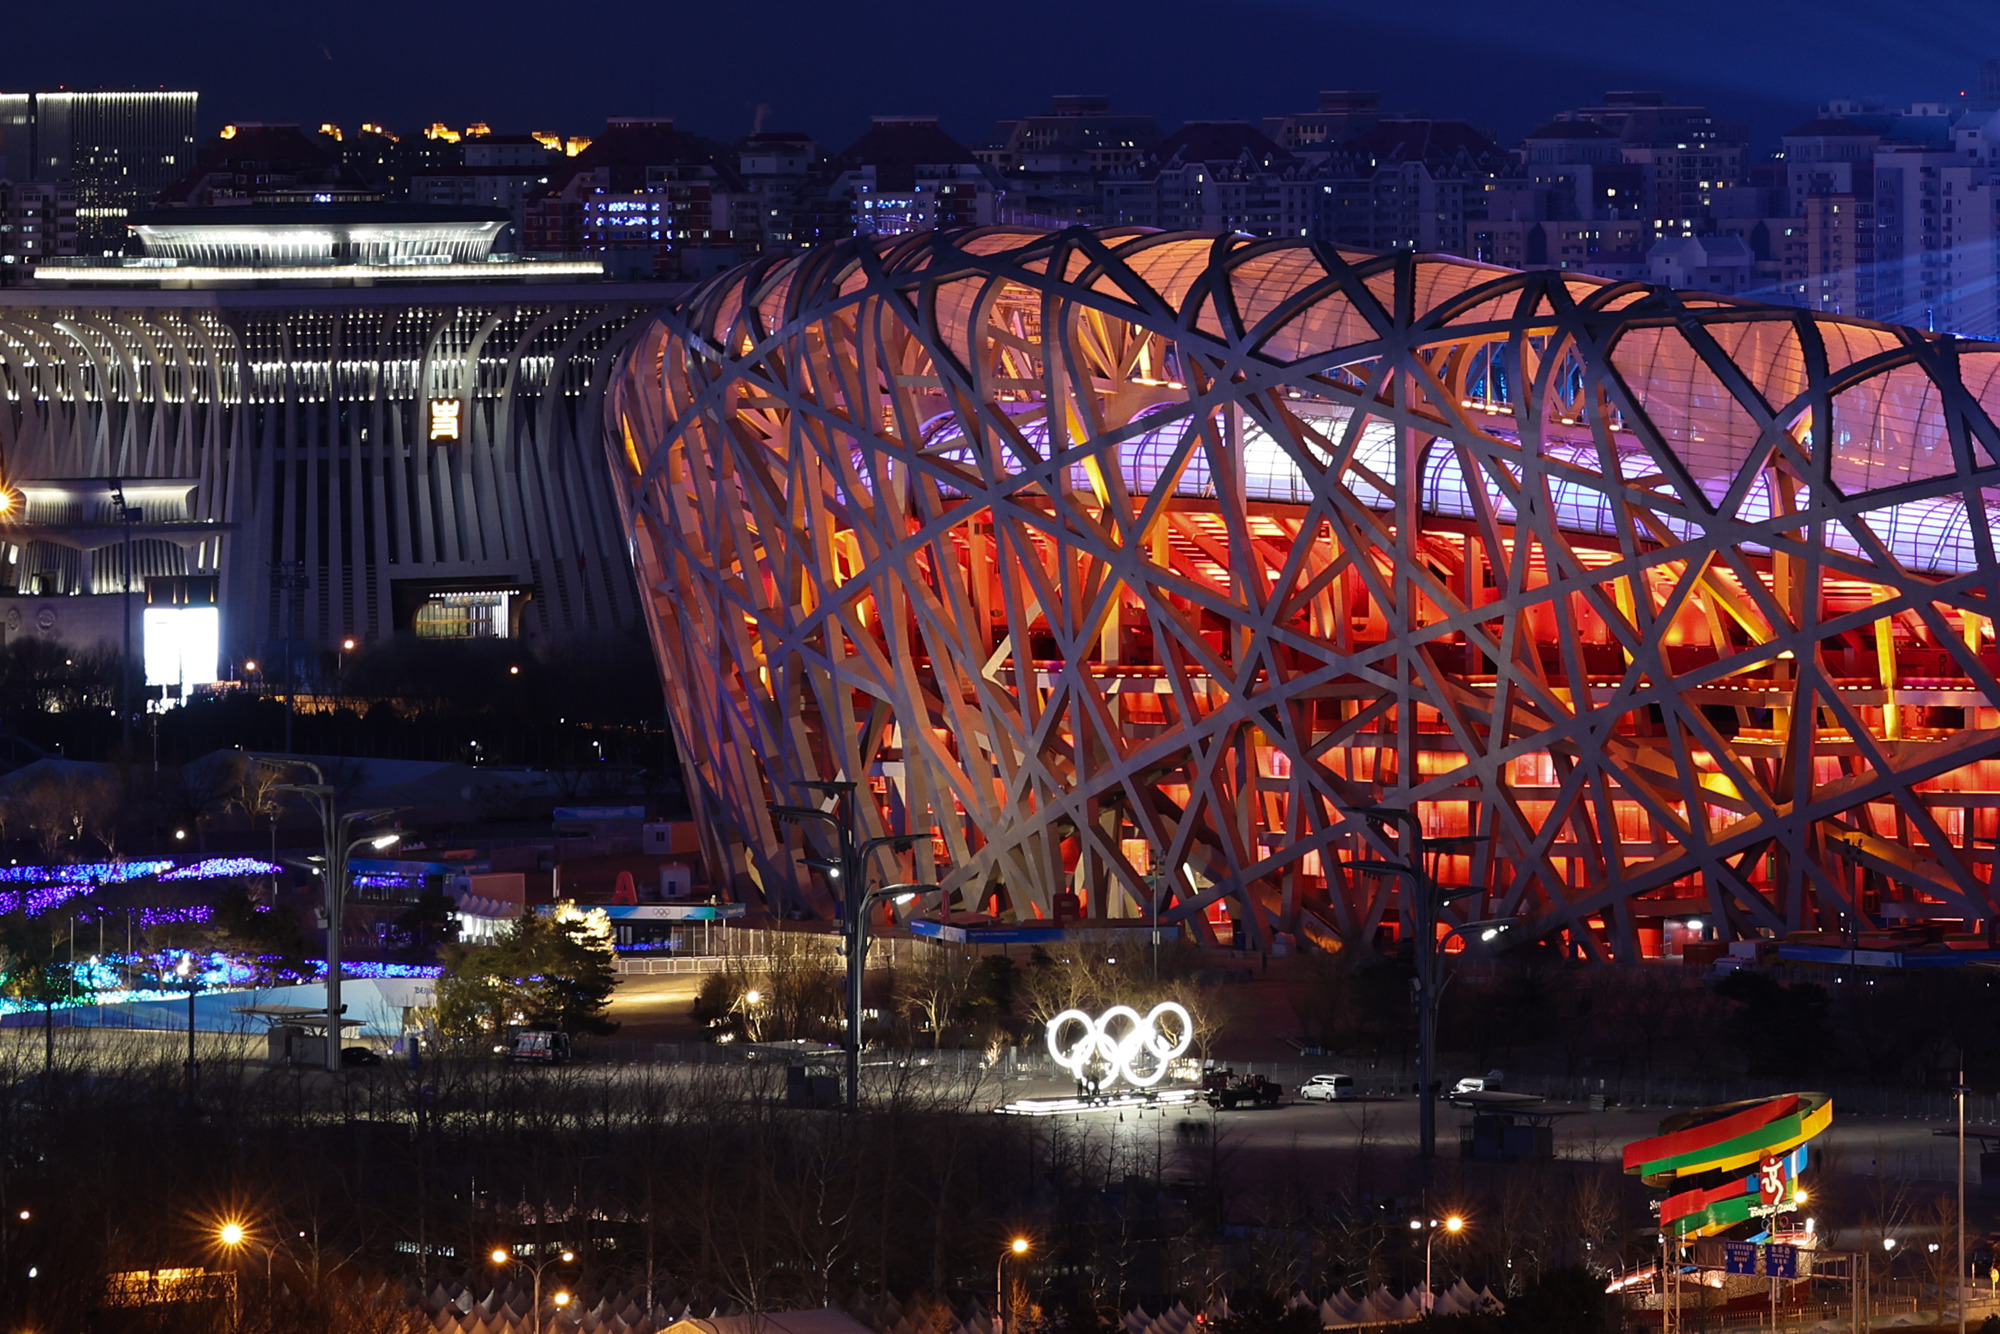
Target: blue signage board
x=1781, y=1261
x=1739, y=1257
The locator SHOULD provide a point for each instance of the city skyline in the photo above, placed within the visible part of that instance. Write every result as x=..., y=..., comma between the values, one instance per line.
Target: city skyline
x=794, y=67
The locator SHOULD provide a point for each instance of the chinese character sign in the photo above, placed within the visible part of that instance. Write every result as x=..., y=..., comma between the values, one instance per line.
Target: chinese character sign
x=1739, y=1257
x=1781, y=1261
x=445, y=420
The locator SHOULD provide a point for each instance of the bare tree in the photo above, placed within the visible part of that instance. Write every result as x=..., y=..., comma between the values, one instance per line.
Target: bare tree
x=933, y=989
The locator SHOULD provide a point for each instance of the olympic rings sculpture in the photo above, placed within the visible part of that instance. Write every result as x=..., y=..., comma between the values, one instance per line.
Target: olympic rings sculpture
x=1119, y=1044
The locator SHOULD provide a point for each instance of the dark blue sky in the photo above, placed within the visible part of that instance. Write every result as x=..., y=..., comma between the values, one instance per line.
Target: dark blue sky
x=825, y=67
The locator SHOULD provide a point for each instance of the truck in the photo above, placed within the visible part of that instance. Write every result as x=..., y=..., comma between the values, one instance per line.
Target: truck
x=1224, y=1091
x=539, y=1047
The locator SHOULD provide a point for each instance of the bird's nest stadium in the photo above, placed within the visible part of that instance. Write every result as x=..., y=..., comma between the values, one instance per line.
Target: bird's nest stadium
x=1129, y=564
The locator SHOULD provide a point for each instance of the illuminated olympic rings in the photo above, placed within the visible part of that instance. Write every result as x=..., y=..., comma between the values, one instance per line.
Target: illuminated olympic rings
x=1128, y=1044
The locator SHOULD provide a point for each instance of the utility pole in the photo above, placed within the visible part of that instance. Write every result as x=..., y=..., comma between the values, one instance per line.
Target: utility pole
x=848, y=870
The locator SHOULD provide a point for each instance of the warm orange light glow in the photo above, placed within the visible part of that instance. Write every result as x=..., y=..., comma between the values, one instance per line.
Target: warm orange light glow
x=1454, y=1223
x=500, y=1257
x=562, y=1299
x=229, y=132
x=1020, y=1246
x=230, y=1234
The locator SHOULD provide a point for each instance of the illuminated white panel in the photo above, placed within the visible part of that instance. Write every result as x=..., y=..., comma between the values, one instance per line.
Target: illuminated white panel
x=182, y=645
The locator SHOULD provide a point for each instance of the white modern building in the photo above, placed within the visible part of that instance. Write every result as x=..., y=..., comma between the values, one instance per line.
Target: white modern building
x=342, y=427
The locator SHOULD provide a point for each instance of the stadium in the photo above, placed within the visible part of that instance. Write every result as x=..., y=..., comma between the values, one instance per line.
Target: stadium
x=1128, y=564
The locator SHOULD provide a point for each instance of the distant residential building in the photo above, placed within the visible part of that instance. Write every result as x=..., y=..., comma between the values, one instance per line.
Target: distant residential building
x=37, y=222
x=275, y=164
x=1604, y=249
x=645, y=199
x=1685, y=152
x=1215, y=176
x=1314, y=135
x=1582, y=166
x=906, y=174
x=117, y=149
x=783, y=207
x=496, y=171
x=1934, y=241
x=1406, y=185
x=1079, y=133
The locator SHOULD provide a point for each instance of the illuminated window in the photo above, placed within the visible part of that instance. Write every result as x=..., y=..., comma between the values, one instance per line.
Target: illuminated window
x=463, y=616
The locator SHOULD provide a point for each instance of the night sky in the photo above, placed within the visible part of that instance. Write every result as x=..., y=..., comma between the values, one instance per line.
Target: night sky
x=825, y=67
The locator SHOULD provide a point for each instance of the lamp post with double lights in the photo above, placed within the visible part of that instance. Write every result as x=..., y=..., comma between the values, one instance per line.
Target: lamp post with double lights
x=338, y=846
x=502, y=1255
x=1428, y=898
x=1452, y=1224
x=849, y=873
x=1016, y=1247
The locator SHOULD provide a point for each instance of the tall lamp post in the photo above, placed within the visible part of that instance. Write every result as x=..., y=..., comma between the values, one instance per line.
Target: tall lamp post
x=1959, y=1282
x=1454, y=1224
x=1018, y=1246
x=501, y=1255
x=849, y=873
x=1427, y=898
x=127, y=516
x=187, y=973
x=337, y=847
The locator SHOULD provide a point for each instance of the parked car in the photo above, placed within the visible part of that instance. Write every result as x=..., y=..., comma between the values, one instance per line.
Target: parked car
x=1329, y=1088
x=1489, y=1082
x=359, y=1056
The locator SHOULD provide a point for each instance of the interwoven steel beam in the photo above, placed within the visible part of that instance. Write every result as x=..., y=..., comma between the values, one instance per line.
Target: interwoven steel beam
x=1097, y=552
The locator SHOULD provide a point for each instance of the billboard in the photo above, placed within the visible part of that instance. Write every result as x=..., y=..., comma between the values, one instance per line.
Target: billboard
x=182, y=645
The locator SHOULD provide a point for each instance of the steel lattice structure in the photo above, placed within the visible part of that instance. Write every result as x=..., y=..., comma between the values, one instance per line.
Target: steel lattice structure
x=1094, y=552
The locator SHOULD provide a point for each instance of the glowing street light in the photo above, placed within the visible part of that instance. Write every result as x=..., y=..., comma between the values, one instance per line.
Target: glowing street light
x=1018, y=1246
x=230, y=1235
x=501, y=1255
x=1452, y=1224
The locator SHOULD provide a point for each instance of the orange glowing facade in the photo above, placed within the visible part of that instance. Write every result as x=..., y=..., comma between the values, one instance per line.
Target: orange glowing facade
x=1126, y=563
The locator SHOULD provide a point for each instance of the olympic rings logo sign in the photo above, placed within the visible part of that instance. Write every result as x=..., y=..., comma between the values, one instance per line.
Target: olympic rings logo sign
x=1121, y=1043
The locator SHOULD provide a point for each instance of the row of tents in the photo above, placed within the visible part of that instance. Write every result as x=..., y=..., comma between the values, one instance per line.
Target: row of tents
x=453, y=1309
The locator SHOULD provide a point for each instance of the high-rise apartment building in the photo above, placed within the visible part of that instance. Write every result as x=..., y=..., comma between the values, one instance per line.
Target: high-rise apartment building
x=118, y=149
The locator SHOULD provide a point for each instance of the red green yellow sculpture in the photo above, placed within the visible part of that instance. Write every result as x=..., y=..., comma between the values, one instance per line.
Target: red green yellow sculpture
x=1768, y=1136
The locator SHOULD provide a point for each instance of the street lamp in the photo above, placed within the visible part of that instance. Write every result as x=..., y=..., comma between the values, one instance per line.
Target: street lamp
x=335, y=831
x=1959, y=1282
x=1453, y=1224
x=1427, y=897
x=1018, y=1246
x=501, y=1255
x=848, y=873
x=185, y=971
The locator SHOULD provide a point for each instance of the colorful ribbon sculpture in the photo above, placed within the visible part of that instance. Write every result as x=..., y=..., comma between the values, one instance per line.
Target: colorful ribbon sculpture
x=1726, y=1138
